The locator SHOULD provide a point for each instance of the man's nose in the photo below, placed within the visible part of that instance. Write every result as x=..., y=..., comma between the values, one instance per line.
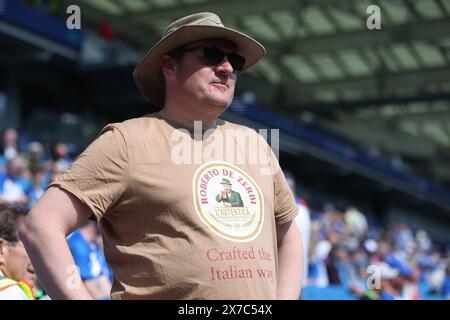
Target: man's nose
x=30, y=268
x=225, y=67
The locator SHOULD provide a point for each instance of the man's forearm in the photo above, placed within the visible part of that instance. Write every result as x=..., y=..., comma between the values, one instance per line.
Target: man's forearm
x=290, y=266
x=53, y=263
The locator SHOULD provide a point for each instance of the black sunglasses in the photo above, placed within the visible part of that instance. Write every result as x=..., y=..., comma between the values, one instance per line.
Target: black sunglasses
x=213, y=56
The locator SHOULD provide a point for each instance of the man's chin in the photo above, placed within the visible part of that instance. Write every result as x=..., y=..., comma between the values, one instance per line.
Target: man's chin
x=31, y=280
x=220, y=105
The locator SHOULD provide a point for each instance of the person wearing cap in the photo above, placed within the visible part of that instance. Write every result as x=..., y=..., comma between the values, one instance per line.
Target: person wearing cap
x=164, y=235
x=229, y=197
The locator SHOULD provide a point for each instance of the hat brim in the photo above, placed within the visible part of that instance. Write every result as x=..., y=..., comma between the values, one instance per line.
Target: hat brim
x=148, y=76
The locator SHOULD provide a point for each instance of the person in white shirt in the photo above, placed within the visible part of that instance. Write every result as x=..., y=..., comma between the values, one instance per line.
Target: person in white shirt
x=303, y=222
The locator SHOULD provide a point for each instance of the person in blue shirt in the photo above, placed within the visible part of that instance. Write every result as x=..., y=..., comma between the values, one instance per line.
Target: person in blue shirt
x=36, y=186
x=446, y=285
x=90, y=260
x=13, y=184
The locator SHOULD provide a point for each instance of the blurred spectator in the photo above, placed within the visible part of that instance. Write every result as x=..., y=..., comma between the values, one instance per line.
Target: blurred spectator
x=37, y=185
x=436, y=277
x=17, y=276
x=446, y=285
x=371, y=246
x=35, y=154
x=90, y=260
x=410, y=288
x=423, y=241
x=389, y=289
x=318, y=270
x=9, y=147
x=61, y=155
x=356, y=222
x=56, y=168
x=12, y=182
x=336, y=260
x=403, y=239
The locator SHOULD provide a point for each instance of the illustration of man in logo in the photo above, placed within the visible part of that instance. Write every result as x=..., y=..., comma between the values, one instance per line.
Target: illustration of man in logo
x=229, y=197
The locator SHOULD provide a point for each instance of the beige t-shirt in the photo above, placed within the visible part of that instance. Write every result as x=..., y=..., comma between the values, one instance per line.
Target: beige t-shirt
x=170, y=228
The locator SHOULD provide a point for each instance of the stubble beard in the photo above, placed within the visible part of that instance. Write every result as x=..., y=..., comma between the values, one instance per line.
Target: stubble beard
x=218, y=105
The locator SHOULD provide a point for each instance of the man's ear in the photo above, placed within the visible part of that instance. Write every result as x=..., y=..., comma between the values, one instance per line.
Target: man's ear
x=168, y=65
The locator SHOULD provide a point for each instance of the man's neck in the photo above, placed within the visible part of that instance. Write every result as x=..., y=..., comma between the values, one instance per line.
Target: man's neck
x=186, y=119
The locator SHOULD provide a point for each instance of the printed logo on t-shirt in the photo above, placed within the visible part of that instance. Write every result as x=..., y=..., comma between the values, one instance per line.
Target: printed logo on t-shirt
x=228, y=201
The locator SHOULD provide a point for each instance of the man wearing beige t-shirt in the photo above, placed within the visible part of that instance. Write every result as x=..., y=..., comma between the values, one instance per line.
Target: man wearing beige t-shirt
x=165, y=235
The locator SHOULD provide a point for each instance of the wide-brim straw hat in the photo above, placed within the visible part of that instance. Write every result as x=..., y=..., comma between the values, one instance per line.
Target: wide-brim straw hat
x=148, y=75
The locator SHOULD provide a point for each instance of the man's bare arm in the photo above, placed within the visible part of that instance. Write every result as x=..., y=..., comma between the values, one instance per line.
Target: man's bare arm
x=290, y=261
x=44, y=233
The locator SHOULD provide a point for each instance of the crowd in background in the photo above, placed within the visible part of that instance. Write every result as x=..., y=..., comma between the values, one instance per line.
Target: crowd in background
x=347, y=256
x=26, y=169
x=353, y=258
